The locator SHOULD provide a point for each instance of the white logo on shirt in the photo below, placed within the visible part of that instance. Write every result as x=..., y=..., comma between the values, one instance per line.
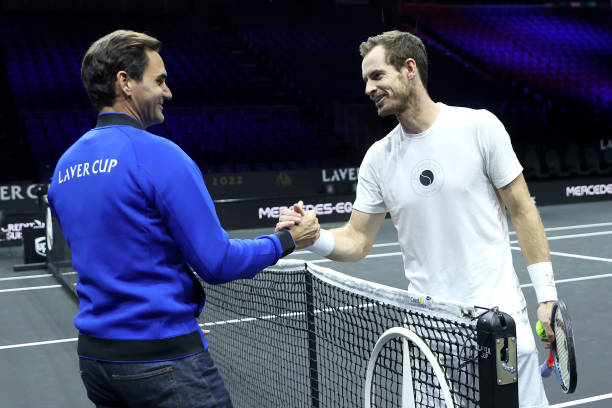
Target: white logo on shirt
x=83, y=169
x=427, y=177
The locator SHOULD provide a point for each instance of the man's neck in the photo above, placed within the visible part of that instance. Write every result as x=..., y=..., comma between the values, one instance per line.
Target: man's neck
x=419, y=115
x=121, y=107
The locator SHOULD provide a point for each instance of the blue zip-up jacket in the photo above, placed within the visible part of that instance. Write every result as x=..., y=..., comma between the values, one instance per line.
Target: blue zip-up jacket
x=134, y=210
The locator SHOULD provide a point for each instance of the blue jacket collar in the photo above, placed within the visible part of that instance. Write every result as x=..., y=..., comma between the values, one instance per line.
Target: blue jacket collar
x=112, y=118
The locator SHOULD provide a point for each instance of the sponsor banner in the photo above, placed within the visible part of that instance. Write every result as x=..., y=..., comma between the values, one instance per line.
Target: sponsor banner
x=239, y=214
x=252, y=200
x=343, y=181
x=11, y=233
x=588, y=190
x=571, y=190
x=288, y=183
x=256, y=213
x=19, y=198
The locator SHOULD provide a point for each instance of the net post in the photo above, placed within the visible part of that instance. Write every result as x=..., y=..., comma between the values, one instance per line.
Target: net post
x=497, y=360
x=59, y=256
x=312, y=341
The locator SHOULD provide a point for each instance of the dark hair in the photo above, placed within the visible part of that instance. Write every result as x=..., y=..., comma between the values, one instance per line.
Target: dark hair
x=121, y=50
x=399, y=46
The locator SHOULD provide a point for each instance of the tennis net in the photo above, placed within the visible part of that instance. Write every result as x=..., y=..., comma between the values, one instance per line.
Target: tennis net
x=298, y=335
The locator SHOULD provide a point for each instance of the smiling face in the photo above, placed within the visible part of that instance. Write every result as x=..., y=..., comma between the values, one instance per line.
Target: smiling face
x=387, y=87
x=148, y=95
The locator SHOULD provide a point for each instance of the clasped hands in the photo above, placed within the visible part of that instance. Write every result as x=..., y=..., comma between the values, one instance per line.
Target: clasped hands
x=303, y=225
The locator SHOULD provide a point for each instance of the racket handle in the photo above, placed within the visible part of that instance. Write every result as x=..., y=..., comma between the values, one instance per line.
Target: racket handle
x=547, y=366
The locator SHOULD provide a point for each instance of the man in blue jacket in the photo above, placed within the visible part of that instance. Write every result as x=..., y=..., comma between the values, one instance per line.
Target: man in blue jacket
x=135, y=211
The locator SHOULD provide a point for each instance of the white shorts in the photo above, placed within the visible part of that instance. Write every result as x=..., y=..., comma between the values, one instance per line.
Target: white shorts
x=531, y=388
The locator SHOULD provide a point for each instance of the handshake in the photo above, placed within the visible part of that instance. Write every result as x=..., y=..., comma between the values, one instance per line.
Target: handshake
x=303, y=225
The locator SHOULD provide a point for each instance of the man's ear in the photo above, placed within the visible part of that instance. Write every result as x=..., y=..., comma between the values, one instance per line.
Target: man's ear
x=124, y=83
x=410, y=65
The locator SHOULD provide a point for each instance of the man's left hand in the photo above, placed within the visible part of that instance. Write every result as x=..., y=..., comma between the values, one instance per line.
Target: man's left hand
x=544, y=312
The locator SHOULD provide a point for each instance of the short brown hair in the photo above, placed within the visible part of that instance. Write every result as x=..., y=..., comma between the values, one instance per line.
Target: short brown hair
x=399, y=46
x=121, y=50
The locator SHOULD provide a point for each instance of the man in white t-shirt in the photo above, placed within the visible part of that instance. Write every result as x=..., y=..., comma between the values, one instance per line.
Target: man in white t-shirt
x=446, y=175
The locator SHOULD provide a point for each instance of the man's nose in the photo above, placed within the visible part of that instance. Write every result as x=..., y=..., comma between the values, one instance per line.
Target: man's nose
x=369, y=88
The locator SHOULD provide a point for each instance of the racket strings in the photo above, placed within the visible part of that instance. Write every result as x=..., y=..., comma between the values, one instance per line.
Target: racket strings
x=562, y=351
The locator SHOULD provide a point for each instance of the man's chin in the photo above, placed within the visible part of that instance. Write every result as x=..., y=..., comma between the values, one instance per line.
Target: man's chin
x=382, y=112
x=159, y=119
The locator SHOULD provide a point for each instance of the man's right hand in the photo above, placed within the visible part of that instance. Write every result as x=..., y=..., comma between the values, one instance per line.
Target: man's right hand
x=303, y=225
x=290, y=216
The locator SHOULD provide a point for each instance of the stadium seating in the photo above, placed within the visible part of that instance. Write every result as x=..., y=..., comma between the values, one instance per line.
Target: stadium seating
x=552, y=161
x=205, y=133
x=322, y=62
x=547, y=50
x=43, y=69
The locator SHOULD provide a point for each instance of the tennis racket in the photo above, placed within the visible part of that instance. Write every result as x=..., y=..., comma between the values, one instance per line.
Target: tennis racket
x=562, y=358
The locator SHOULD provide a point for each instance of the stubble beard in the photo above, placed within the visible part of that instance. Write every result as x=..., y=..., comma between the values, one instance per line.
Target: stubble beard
x=385, y=111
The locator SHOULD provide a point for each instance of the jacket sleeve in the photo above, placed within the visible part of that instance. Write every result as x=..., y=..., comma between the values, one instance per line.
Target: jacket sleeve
x=178, y=191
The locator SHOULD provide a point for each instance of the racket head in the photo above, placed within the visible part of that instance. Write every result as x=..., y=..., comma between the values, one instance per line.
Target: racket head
x=564, y=353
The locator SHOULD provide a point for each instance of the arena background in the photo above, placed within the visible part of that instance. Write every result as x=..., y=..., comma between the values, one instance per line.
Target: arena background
x=269, y=101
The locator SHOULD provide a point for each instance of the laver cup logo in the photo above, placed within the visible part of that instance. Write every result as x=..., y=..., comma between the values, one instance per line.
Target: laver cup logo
x=427, y=178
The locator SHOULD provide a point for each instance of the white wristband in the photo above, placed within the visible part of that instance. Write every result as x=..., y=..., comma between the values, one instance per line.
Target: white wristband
x=324, y=245
x=541, y=275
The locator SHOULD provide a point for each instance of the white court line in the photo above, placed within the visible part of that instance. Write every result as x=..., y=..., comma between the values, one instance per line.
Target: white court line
x=588, y=258
x=38, y=343
x=386, y=244
x=583, y=278
x=26, y=277
x=571, y=227
x=33, y=276
x=582, y=401
x=30, y=288
x=590, y=234
x=218, y=323
x=325, y=260
x=317, y=261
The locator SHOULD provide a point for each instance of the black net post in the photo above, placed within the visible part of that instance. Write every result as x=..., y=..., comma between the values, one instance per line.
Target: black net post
x=497, y=360
x=59, y=256
x=312, y=342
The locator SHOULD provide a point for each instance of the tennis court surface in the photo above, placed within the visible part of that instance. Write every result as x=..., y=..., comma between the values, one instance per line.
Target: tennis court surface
x=38, y=340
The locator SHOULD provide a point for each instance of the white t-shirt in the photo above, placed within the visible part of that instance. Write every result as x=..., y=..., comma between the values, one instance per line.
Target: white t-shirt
x=440, y=188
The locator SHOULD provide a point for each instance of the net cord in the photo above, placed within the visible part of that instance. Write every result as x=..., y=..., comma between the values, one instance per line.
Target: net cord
x=396, y=332
x=389, y=295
